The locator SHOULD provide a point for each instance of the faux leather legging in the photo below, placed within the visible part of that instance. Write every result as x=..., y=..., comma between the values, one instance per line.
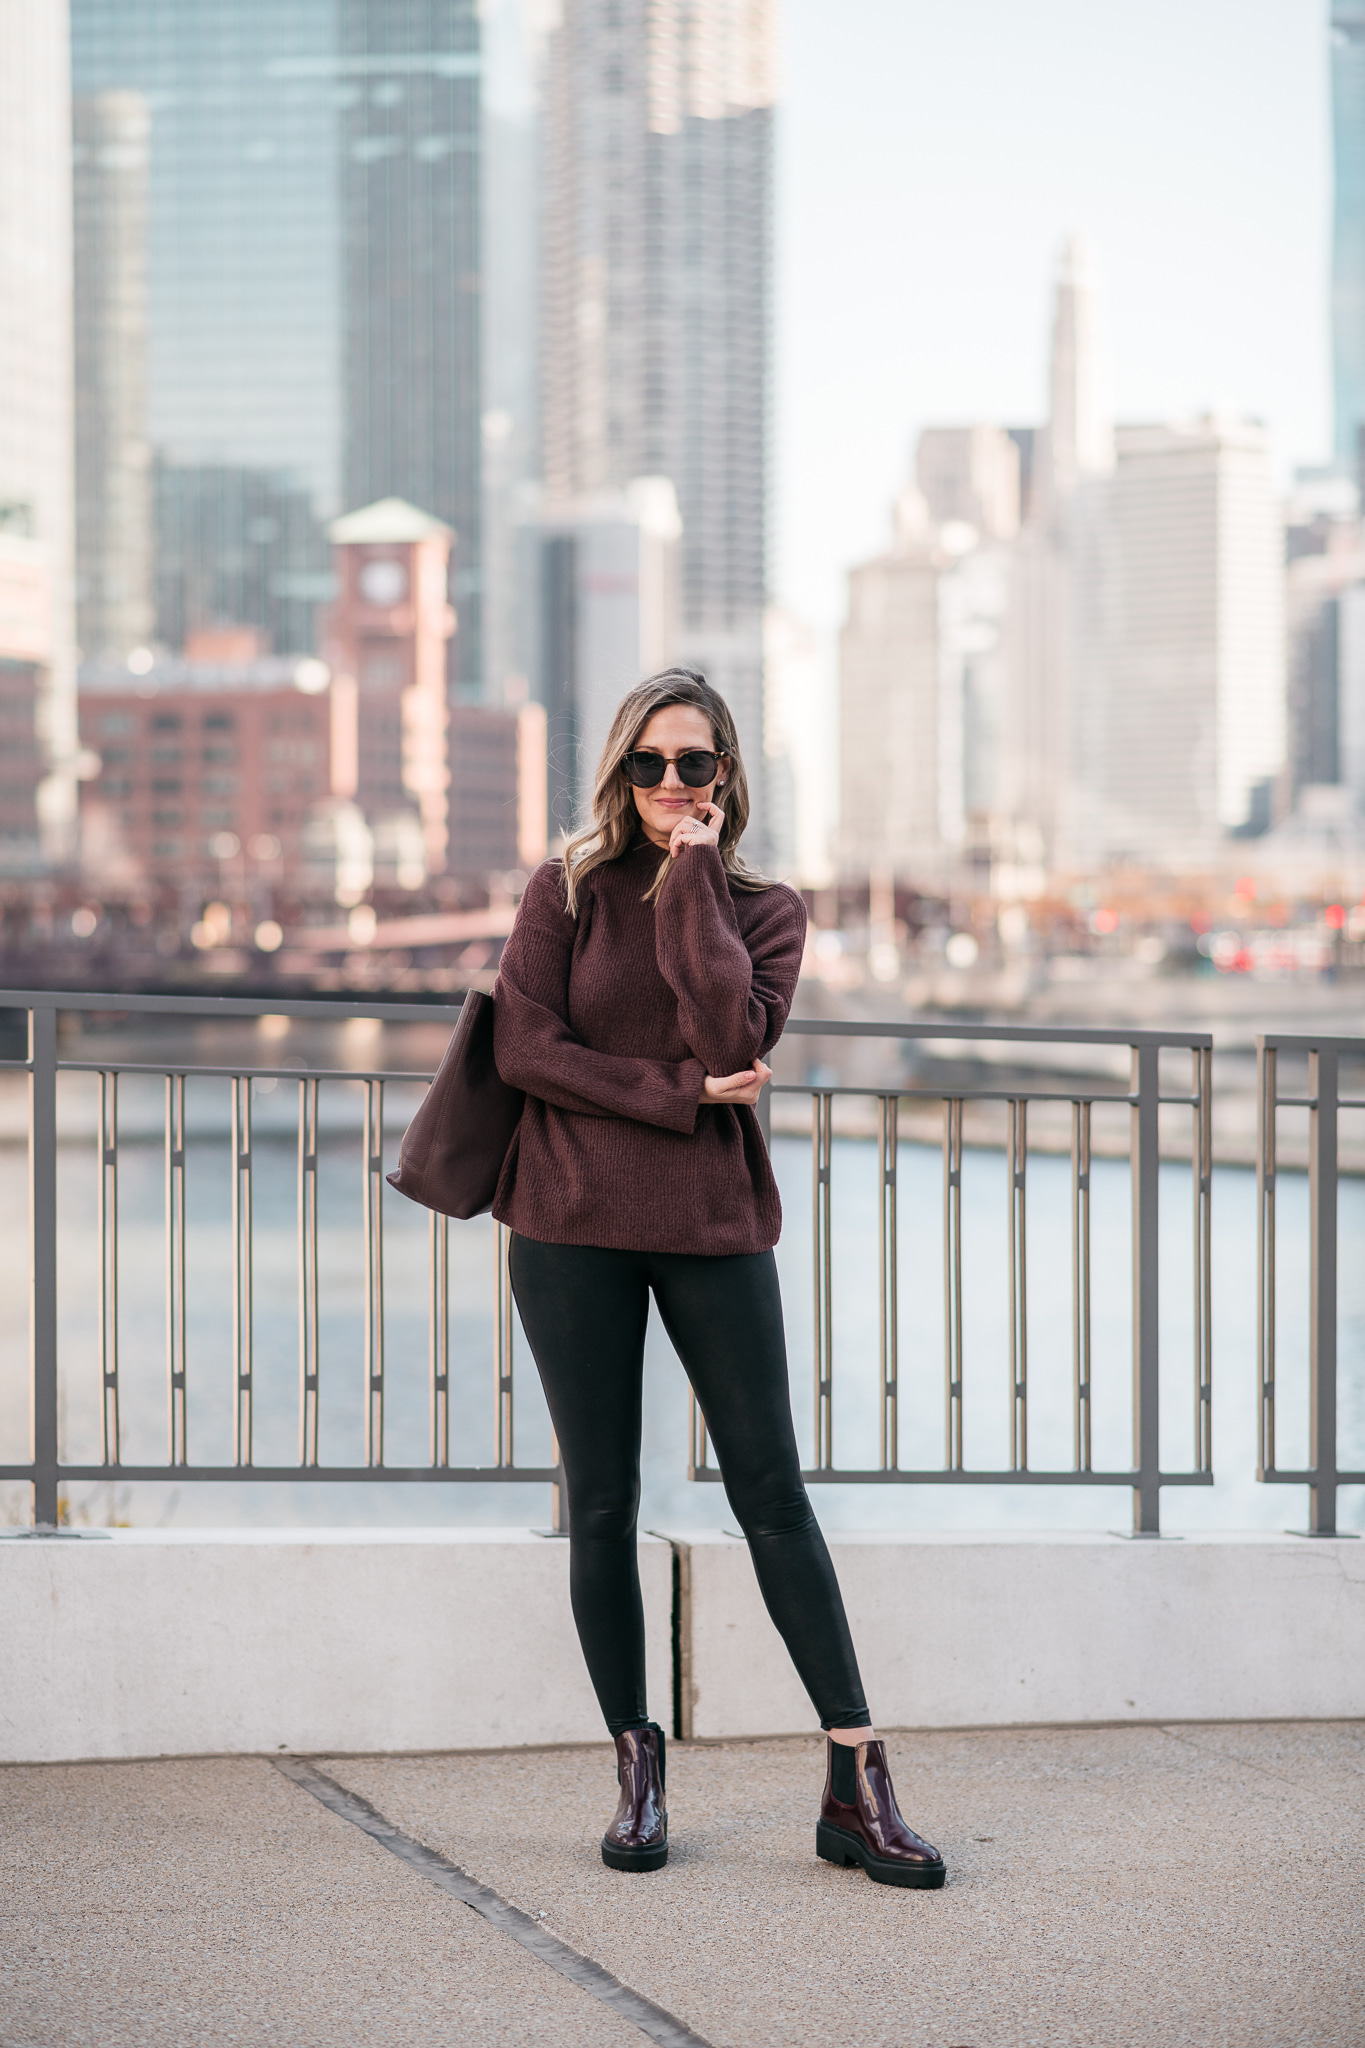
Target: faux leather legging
x=584, y=1311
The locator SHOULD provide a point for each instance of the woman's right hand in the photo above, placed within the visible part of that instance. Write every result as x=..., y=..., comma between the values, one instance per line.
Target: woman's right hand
x=744, y=1087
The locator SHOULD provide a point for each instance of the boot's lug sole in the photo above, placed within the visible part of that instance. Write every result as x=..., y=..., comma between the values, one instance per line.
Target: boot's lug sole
x=837, y=1846
x=652, y=1858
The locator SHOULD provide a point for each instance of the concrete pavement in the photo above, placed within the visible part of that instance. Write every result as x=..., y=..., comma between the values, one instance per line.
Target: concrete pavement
x=1201, y=1886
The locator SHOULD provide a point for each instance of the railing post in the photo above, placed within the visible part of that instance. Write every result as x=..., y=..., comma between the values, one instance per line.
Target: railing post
x=243, y=1303
x=559, y=1493
x=502, y=1350
x=1146, y=1336
x=823, y=1144
x=177, y=1314
x=697, y=1448
x=1016, y=1169
x=42, y=1169
x=952, y=1283
x=107, y=1156
x=888, y=1260
x=439, y=1337
x=310, y=1372
x=1082, y=1410
x=1203, y=1259
x=373, y=1214
x=1267, y=1095
x=1322, y=1292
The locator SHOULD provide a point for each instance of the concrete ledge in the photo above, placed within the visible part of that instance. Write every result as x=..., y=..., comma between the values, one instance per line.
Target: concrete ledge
x=176, y=1643
x=970, y=1631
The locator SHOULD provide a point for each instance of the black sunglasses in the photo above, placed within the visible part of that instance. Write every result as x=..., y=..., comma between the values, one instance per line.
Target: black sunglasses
x=695, y=768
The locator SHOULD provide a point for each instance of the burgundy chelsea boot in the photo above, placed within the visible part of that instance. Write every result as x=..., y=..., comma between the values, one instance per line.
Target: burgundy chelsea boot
x=638, y=1836
x=861, y=1823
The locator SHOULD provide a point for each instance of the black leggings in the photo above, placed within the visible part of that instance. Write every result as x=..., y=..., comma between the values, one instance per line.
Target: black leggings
x=584, y=1311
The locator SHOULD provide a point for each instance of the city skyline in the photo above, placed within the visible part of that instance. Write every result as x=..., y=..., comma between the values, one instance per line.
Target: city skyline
x=931, y=166
x=244, y=372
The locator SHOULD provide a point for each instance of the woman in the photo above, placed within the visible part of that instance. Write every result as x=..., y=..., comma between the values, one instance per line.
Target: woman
x=646, y=977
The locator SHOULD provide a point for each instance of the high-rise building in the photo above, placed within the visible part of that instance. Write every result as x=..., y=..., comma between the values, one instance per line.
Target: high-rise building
x=922, y=669
x=1067, y=458
x=970, y=475
x=973, y=685
x=514, y=34
x=1348, y=231
x=800, y=729
x=1080, y=433
x=313, y=302
x=1179, y=663
x=113, y=474
x=656, y=294
x=603, y=571
x=1325, y=558
x=890, y=707
x=38, y=738
x=1350, y=693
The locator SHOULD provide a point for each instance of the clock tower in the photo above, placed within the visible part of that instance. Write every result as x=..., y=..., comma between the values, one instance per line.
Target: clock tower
x=386, y=641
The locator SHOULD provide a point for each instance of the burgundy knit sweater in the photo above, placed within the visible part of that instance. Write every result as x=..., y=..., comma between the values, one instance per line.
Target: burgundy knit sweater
x=610, y=1022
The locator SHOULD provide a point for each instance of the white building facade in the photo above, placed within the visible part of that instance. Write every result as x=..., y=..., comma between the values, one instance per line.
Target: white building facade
x=891, y=724
x=1178, y=684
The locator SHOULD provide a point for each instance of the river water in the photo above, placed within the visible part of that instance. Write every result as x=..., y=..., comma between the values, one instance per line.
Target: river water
x=669, y=1500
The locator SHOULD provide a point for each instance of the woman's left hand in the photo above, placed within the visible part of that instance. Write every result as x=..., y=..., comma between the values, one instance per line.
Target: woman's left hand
x=696, y=830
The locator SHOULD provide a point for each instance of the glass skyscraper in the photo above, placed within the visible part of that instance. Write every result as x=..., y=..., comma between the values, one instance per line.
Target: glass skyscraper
x=1348, y=230
x=312, y=297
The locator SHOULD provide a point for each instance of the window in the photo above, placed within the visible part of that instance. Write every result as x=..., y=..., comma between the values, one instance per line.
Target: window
x=112, y=754
x=219, y=721
x=166, y=753
x=220, y=753
x=219, y=785
x=167, y=721
x=167, y=785
x=118, y=721
x=167, y=818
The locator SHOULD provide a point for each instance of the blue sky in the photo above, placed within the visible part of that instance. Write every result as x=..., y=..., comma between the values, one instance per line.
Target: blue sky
x=932, y=156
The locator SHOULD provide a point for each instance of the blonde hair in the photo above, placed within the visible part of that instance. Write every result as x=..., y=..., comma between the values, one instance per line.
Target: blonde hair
x=615, y=820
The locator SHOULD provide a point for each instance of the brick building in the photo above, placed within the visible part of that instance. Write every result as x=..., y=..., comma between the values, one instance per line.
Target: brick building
x=227, y=751
x=193, y=754
x=484, y=774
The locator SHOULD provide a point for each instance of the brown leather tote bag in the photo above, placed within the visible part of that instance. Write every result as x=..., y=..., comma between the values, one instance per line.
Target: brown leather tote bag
x=452, y=1151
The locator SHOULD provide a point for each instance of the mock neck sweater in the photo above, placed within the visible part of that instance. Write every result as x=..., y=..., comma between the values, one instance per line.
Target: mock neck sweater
x=610, y=1022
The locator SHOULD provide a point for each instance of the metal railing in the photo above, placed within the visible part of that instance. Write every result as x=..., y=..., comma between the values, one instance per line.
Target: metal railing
x=1144, y=1099
x=899, y=1108
x=46, y=1471
x=1323, y=1102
